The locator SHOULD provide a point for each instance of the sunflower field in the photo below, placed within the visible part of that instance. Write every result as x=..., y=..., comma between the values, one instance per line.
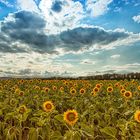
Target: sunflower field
x=38, y=109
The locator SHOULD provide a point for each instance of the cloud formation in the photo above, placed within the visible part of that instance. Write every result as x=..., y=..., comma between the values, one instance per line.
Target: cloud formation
x=25, y=32
x=137, y=18
x=98, y=7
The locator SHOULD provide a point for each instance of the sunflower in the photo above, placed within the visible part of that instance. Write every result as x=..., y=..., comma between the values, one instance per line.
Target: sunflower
x=109, y=89
x=13, y=102
x=98, y=85
x=54, y=88
x=138, y=87
x=96, y=90
x=48, y=106
x=127, y=94
x=17, y=91
x=22, y=109
x=137, y=116
x=1, y=88
x=46, y=89
x=21, y=93
x=37, y=88
x=122, y=91
x=70, y=117
x=73, y=91
x=82, y=91
x=93, y=93
x=61, y=89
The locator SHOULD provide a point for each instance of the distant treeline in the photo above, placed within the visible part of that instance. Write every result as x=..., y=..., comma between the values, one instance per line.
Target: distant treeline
x=94, y=77
x=103, y=77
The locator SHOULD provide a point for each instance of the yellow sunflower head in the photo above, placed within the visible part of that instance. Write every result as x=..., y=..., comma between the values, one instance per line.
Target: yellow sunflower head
x=73, y=91
x=94, y=93
x=82, y=91
x=70, y=117
x=137, y=116
x=37, y=88
x=21, y=93
x=110, y=89
x=122, y=91
x=61, y=89
x=48, y=106
x=54, y=88
x=46, y=89
x=138, y=87
x=98, y=85
x=96, y=90
x=127, y=94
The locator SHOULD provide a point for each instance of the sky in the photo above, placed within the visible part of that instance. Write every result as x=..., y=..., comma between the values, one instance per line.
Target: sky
x=44, y=38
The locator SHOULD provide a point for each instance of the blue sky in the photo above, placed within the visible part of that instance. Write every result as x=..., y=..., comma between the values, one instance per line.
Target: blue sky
x=69, y=37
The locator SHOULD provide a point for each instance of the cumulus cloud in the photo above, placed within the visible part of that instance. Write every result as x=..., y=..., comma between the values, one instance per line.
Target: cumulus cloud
x=27, y=5
x=98, y=7
x=137, y=18
x=61, y=14
x=25, y=32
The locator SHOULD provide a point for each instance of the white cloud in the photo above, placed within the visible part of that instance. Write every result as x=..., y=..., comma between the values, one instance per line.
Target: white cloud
x=32, y=64
x=67, y=18
x=115, y=56
x=5, y=2
x=88, y=62
x=137, y=18
x=131, y=66
x=27, y=5
x=98, y=7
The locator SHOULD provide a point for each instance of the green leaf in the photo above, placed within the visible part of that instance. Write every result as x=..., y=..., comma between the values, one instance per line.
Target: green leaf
x=56, y=136
x=111, y=131
x=59, y=118
x=76, y=136
x=33, y=134
x=68, y=135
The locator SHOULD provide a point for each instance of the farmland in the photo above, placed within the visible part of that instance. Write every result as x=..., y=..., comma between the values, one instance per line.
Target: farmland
x=38, y=109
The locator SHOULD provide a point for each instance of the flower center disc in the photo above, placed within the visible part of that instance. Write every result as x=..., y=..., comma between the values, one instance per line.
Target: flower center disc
x=48, y=106
x=71, y=117
x=127, y=94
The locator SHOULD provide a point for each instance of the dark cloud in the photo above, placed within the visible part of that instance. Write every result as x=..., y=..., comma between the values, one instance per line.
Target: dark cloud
x=57, y=6
x=28, y=28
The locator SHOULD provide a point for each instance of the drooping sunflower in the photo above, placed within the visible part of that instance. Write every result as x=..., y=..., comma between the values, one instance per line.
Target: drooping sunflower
x=127, y=94
x=110, y=89
x=82, y=91
x=48, y=106
x=137, y=116
x=70, y=117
